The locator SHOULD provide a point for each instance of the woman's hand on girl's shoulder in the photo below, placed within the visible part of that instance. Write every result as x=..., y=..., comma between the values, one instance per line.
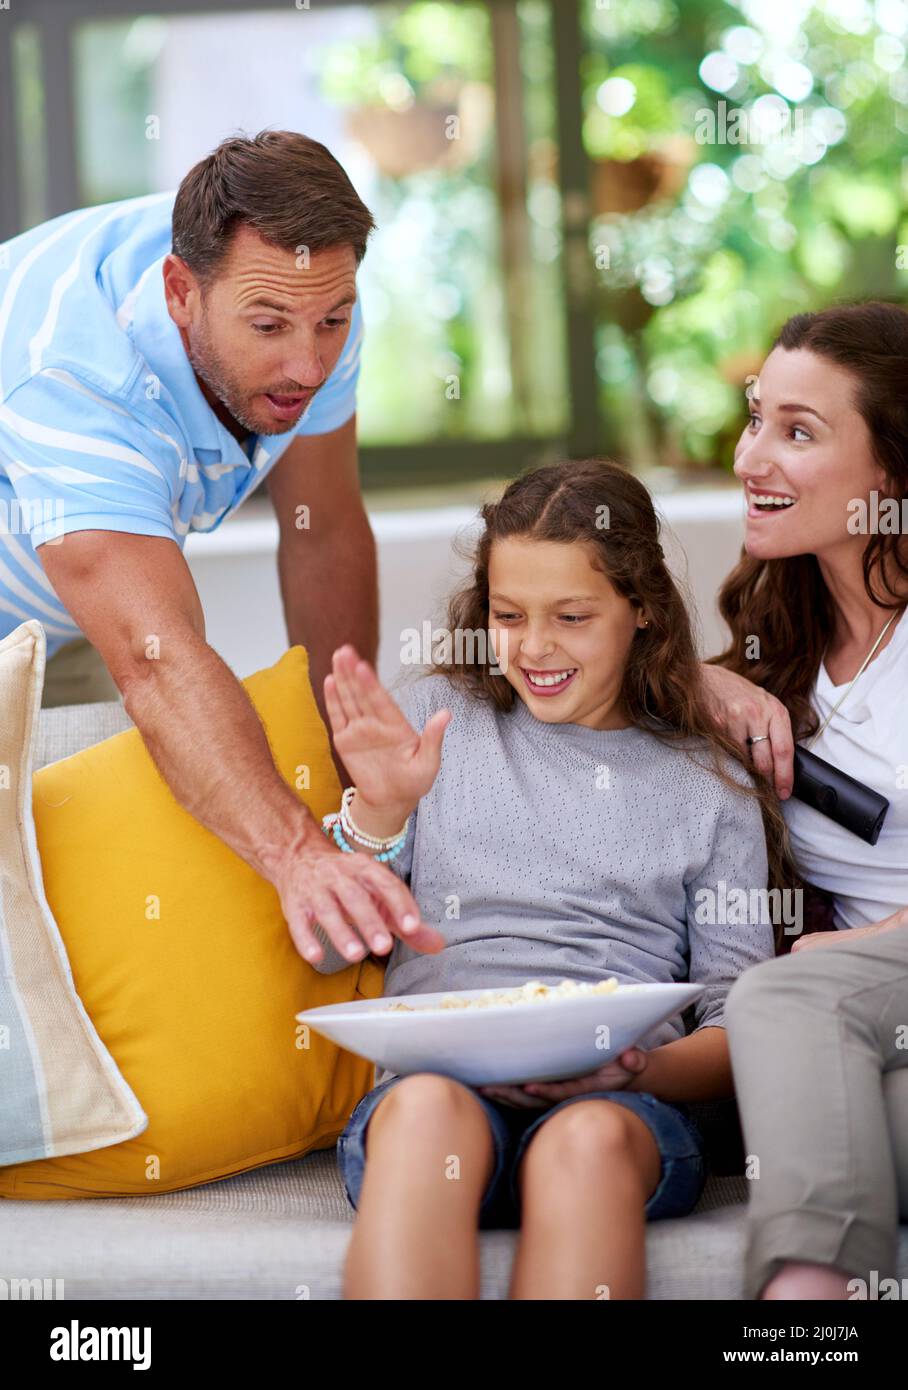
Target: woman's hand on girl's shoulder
x=744, y=710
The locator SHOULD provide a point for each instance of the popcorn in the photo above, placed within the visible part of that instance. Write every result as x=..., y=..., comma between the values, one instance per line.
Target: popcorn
x=520, y=994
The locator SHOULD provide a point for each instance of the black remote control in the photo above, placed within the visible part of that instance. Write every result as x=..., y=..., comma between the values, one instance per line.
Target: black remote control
x=842, y=798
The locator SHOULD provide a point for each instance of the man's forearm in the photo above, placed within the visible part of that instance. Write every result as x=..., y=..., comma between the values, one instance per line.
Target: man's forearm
x=330, y=591
x=206, y=739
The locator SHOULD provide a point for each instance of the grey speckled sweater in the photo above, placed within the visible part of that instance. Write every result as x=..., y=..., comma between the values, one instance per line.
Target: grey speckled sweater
x=555, y=851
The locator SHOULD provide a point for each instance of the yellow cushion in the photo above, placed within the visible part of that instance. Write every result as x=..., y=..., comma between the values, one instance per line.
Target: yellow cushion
x=184, y=963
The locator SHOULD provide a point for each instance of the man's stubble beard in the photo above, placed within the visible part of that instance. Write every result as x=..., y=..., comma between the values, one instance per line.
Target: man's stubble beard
x=207, y=365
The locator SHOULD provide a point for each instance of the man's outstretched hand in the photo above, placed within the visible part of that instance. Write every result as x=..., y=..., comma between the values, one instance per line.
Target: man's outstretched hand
x=360, y=903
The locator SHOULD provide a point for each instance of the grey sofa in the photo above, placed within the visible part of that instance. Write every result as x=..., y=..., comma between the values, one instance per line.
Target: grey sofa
x=281, y=1232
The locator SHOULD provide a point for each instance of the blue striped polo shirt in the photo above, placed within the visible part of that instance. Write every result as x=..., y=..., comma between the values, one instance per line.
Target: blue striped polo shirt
x=103, y=425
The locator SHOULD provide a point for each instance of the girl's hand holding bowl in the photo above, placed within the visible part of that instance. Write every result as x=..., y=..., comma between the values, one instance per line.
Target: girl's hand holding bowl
x=614, y=1075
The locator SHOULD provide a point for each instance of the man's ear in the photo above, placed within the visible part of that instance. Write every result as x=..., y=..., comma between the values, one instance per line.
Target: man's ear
x=181, y=289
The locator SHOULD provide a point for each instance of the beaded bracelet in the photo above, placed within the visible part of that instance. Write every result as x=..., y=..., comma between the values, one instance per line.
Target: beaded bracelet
x=331, y=824
x=353, y=832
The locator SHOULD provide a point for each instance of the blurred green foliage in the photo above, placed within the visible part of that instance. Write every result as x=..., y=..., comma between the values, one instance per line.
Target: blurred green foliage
x=422, y=42
x=699, y=280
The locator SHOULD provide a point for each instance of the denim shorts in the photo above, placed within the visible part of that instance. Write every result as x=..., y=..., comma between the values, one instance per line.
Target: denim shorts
x=680, y=1144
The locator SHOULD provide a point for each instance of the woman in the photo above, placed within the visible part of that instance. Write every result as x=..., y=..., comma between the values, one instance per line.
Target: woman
x=819, y=1038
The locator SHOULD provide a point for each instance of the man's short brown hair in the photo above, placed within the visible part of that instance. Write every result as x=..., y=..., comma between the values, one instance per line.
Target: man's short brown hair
x=287, y=188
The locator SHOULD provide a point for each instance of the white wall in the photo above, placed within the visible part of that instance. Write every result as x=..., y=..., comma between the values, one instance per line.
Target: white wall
x=236, y=573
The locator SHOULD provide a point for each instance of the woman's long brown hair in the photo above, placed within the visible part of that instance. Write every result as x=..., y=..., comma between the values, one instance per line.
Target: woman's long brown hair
x=663, y=687
x=784, y=603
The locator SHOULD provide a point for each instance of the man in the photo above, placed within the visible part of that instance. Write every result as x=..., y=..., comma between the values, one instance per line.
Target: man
x=145, y=392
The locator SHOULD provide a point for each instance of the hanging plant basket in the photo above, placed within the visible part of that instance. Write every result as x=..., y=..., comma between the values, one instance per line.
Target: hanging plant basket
x=624, y=186
x=406, y=142
x=628, y=309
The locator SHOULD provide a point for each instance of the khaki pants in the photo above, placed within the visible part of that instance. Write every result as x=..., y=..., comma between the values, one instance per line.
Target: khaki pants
x=76, y=675
x=819, y=1046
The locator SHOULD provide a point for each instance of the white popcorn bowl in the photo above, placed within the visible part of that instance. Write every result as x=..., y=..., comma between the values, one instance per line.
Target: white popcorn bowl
x=547, y=1039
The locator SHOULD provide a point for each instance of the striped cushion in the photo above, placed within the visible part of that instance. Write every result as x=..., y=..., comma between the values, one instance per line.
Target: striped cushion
x=60, y=1090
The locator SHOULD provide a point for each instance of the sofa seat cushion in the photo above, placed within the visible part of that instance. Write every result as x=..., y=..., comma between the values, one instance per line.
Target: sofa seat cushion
x=281, y=1232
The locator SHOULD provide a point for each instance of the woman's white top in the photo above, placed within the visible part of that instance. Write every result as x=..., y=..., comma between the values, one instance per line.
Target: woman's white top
x=867, y=737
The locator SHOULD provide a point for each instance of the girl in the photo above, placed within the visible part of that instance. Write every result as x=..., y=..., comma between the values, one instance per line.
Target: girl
x=585, y=822
x=824, y=593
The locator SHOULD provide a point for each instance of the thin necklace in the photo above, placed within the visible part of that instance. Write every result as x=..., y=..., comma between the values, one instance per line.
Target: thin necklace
x=851, y=683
